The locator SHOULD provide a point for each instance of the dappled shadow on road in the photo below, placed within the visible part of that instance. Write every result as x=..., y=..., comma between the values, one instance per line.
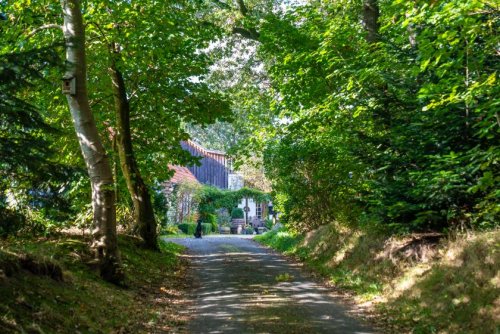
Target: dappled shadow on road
x=241, y=287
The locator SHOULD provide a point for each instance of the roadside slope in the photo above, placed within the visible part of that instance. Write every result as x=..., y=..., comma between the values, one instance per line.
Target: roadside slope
x=420, y=283
x=35, y=298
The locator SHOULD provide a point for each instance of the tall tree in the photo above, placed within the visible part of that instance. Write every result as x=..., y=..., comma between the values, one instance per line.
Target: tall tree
x=94, y=154
x=141, y=199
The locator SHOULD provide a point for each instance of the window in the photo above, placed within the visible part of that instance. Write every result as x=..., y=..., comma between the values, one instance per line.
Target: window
x=258, y=210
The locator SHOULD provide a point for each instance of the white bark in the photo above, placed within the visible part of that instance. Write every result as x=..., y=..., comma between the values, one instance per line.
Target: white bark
x=98, y=166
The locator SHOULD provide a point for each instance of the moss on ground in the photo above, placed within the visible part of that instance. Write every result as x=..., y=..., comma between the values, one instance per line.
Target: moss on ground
x=83, y=302
x=417, y=284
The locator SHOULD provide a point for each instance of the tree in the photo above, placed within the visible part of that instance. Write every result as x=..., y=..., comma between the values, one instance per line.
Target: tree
x=153, y=94
x=374, y=103
x=143, y=207
x=94, y=154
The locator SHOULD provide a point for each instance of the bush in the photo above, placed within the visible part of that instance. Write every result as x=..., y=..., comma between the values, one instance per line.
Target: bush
x=268, y=224
x=205, y=228
x=281, y=240
x=10, y=222
x=170, y=229
x=212, y=220
x=190, y=228
x=223, y=218
x=187, y=228
x=237, y=213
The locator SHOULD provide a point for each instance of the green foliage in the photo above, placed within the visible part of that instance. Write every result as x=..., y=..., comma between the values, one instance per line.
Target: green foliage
x=160, y=206
x=187, y=228
x=212, y=199
x=268, y=223
x=33, y=183
x=11, y=222
x=190, y=228
x=402, y=133
x=237, y=213
x=285, y=277
x=223, y=218
x=170, y=230
x=281, y=240
x=206, y=228
x=212, y=220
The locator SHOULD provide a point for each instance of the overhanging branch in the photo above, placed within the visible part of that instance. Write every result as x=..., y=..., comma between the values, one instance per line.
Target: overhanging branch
x=247, y=33
x=44, y=27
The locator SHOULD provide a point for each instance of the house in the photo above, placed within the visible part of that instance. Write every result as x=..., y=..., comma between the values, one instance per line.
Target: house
x=215, y=170
x=215, y=165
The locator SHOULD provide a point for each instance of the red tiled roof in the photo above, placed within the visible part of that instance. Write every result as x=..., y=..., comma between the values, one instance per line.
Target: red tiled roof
x=182, y=174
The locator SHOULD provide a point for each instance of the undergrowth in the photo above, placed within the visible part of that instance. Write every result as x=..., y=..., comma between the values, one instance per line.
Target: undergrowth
x=418, y=284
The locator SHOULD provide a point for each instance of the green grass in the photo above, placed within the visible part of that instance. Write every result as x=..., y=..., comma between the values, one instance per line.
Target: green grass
x=173, y=236
x=283, y=241
x=83, y=302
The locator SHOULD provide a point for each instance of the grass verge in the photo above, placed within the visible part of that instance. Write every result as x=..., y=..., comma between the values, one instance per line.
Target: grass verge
x=416, y=284
x=84, y=303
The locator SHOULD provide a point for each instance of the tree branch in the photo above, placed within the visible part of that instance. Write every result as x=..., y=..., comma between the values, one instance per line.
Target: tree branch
x=222, y=4
x=44, y=27
x=247, y=33
x=243, y=8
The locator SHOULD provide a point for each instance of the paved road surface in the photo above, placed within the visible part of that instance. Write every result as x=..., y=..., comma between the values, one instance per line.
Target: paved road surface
x=241, y=287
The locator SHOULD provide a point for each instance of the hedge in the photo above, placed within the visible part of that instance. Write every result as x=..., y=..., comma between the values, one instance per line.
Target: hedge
x=237, y=213
x=187, y=228
x=190, y=228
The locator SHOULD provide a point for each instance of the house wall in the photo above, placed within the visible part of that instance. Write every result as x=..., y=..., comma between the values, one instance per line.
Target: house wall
x=253, y=209
x=214, y=168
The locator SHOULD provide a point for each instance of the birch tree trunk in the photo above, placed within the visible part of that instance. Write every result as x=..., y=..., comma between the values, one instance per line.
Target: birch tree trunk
x=96, y=160
x=143, y=208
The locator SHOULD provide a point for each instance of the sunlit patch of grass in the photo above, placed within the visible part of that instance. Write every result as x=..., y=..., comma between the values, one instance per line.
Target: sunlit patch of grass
x=285, y=277
x=283, y=241
x=458, y=292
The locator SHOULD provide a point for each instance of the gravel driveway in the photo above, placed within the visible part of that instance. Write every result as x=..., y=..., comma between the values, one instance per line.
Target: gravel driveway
x=242, y=287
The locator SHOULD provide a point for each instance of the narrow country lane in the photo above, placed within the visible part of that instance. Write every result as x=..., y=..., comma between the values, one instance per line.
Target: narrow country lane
x=242, y=287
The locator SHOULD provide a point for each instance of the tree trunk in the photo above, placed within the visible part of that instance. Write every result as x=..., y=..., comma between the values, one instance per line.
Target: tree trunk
x=99, y=169
x=143, y=208
x=371, y=14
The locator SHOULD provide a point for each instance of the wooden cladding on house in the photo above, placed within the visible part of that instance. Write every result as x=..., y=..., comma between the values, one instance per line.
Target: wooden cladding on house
x=214, y=165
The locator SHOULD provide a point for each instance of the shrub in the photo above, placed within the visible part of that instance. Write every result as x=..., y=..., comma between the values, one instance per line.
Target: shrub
x=212, y=220
x=237, y=213
x=268, y=224
x=205, y=228
x=187, y=228
x=10, y=222
x=170, y=229
x=223, y=218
